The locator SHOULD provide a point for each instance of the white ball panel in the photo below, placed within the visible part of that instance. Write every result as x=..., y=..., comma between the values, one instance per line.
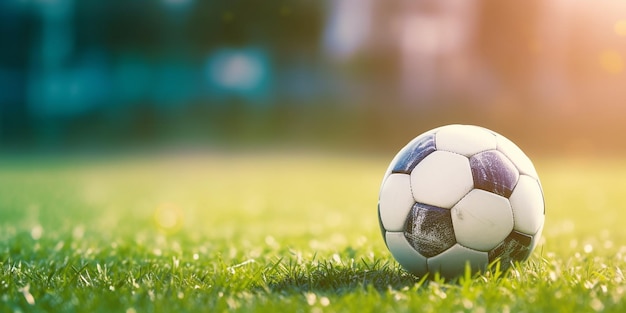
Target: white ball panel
x=402, y=251
x=536, y=239
x=527, y=205
x=395, y=201
x=451, y=263
x=515, y=154
x=441, y=179
x=464, y=139
x=482, y=220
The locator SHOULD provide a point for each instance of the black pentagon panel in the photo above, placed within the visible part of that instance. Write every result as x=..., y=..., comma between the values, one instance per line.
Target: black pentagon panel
x=414, y=154
x=494, y=172
x=515, y=247
x=383, y=231
x=429, y=229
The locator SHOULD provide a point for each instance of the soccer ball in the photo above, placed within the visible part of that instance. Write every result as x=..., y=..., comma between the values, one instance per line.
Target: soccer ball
x=460, y=195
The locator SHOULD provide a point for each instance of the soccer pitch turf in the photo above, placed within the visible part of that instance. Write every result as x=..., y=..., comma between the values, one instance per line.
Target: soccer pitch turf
x=297, y=232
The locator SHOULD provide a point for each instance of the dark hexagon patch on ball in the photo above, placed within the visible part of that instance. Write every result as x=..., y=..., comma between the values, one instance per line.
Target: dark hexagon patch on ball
x=429, y=230
x=515, y=247
x=494, y=172
x=415, y=154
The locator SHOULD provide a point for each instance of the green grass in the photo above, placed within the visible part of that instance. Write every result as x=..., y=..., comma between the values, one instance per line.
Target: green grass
x=266, y=232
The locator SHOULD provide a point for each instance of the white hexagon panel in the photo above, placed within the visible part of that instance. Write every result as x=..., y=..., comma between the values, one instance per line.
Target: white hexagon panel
x=441, y=179
x=464, y=139
x=395, y=201
x=536, y=239
x=481, y=220
x=527, y=205
x=402, y=251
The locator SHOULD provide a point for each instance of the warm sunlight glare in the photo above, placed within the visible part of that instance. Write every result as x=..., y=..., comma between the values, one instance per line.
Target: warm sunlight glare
x=611, y=61
x=620, y=27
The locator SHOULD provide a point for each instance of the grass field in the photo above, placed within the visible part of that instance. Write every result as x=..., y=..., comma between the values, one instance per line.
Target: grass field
x=295, y=232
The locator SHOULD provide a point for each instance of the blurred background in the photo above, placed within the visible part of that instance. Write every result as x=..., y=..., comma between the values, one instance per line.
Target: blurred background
x=337, y=74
